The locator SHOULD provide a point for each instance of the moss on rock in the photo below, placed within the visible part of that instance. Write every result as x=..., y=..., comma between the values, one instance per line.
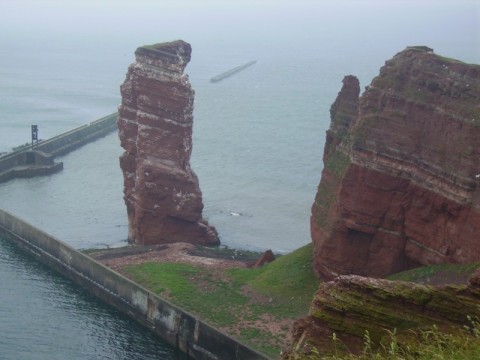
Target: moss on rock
x=352, y=306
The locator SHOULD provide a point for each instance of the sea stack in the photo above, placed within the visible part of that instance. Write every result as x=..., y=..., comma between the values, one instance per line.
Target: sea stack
x=401, y=181
x=161, y=192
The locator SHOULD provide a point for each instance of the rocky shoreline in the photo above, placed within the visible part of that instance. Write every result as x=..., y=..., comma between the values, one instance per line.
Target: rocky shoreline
x=213, y=257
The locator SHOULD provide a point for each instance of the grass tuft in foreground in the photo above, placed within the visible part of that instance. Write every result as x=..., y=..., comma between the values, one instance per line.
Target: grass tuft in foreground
x=428, y=344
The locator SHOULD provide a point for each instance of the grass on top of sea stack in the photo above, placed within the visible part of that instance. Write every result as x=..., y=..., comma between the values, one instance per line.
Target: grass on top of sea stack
x=258, y=306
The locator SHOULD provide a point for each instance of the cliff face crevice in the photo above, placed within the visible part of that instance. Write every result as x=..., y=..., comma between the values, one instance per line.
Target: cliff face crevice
x=399, y=186
x=161, y=191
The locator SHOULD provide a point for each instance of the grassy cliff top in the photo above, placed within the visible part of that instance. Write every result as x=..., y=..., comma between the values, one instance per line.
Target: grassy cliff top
x=255, y=305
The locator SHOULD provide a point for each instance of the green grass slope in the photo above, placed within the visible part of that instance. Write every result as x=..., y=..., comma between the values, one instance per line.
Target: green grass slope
x=255, y=305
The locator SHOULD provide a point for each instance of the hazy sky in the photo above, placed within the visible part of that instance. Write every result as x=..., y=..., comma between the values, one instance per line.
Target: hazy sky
x=417, y=22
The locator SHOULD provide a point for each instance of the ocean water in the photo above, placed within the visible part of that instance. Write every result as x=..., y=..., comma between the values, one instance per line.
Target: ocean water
x=258, y=136
x=54, y=319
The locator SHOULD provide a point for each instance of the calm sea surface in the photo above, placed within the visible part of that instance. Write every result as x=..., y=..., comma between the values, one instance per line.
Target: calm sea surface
x=258, y=136
x=44, y=316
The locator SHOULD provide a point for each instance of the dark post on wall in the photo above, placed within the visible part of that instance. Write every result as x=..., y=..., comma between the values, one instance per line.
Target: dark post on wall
x=34, y=134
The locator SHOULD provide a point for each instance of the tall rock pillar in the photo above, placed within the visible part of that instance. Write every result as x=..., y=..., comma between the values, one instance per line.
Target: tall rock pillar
x=161, y=191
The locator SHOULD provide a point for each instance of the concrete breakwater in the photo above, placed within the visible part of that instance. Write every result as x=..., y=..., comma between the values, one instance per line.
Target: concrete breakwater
x=232, y=71
x=39, y=160
x=179, y=328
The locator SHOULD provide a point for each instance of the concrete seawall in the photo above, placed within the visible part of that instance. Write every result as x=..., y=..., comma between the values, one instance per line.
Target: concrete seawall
x=179, y=328
x=30, y=162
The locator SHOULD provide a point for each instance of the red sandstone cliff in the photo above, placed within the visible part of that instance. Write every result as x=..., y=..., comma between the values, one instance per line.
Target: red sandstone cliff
x=400, y=185
x=162, y=194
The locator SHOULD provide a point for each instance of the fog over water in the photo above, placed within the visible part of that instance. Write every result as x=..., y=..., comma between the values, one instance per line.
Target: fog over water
x=258, y=136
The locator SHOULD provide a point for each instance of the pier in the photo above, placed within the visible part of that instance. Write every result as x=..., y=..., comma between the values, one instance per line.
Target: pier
x=39, y=159
x=232, y=71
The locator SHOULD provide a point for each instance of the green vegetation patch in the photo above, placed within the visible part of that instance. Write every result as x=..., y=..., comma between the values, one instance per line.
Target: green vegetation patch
x=255, y=305
x=289, y=282
x=337, y=163
x=438, y=274
x=192, y=288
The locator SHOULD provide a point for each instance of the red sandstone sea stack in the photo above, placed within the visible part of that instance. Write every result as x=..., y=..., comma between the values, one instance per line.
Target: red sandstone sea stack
x=161, y=192
x=401, y=180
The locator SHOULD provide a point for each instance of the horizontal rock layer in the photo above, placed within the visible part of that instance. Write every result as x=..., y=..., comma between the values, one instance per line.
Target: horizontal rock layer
x=351, y=305
x=400, y=185
x=162, y=193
